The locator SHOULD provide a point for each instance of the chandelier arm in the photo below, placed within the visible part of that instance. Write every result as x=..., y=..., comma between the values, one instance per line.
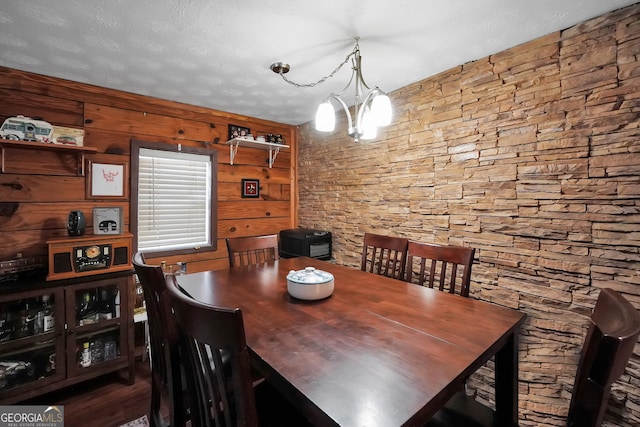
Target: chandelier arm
x=345, y=108
x=369, y=98
x=358, y=60
x=353, y=74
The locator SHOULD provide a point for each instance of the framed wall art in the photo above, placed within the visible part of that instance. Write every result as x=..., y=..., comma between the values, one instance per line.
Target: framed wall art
x=250, y=188
x=236, y=131
x=107, y=220
x=107, y=180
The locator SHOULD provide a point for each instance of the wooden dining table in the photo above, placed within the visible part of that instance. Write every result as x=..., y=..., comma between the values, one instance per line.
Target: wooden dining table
x=377, y=352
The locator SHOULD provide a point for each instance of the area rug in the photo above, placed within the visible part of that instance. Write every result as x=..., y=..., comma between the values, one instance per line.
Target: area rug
x=140, y=422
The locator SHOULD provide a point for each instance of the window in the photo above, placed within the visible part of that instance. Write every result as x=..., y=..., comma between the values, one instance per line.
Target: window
x=173, y=198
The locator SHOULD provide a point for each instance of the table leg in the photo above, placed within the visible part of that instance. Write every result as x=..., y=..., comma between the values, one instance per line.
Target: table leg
x=507, y=383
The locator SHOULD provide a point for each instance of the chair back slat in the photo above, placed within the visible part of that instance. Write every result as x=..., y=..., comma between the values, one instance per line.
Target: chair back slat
x=613, y=332
x=215, y=357
x=163, y=338
x=384, y=255
x=252, y=250
x=446, y=266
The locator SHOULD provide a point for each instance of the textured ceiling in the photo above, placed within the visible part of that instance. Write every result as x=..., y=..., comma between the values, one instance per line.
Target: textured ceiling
x=217, y=53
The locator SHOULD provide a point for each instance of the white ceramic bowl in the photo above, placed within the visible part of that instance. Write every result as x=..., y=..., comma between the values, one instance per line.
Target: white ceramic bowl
x=309, y=284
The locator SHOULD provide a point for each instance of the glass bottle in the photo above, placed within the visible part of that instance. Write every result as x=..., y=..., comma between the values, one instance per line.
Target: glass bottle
x=88, y=311
x=116, y=305
x=21, y=323
x=139, y=297
x=110, y=351
x=105, y=305
x=6, y=319
x=30, y=320
x=97, y=351
x=37, y=310
x=81, y=308
x=85, y=356
x=48, y=321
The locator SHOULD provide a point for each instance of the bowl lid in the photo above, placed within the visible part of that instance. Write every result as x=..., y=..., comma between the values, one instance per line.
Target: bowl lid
x=309, y=276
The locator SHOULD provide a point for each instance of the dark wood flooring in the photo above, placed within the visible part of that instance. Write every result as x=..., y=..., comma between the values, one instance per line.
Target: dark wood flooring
x=106, y=401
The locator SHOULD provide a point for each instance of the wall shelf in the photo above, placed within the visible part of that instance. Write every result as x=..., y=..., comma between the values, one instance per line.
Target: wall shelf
x=273, y=148
x=27, y=145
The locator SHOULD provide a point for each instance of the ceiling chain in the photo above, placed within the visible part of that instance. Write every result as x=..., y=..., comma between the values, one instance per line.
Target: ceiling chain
x=356, y=49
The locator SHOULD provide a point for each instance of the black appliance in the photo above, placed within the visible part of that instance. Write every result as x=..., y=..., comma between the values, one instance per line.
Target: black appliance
x=76, y=223
x=297, y=242
x=22, y=270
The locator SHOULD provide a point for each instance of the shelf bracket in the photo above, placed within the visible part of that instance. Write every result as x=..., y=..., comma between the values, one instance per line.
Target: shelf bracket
x=273, y=148
x=233, y=149
x=273, y=153
x=81, y=164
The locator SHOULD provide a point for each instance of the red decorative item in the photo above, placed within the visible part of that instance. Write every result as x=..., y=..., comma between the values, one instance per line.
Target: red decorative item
x=250, y=188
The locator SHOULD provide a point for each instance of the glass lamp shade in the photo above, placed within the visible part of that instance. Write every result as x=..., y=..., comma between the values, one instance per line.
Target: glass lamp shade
x=369, y=129
x=325, y=117
x=381, y=110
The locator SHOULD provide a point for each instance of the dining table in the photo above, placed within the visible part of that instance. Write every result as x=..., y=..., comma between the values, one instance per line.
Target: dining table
x=377, y=352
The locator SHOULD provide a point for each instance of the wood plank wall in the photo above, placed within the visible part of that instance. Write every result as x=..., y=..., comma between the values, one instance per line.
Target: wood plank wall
x=39, y=188
x=531, y=156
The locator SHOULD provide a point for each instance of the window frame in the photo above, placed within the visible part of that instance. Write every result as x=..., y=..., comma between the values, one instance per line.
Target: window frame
x=136, y=145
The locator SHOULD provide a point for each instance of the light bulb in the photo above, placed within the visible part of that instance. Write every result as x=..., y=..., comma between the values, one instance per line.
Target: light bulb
x=325, y=117
x=369, y=129
x=381, y=110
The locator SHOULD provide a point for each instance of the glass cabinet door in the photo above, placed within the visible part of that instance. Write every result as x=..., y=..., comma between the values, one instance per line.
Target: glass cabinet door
x=31, y=340
x=96, y=311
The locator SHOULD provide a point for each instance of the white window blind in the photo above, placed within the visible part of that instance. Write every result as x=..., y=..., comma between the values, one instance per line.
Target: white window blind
x=174, y=200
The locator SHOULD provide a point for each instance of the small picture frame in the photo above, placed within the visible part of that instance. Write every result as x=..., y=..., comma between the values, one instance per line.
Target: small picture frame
x=250, y=188
x=107, y=180
x=107, y=220
x=236, y=131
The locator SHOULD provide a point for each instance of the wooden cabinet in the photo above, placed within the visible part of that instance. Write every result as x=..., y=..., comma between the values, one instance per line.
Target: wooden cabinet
x=91, y=334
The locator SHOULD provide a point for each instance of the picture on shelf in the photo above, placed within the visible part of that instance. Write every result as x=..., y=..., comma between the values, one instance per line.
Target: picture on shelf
x=236, y=131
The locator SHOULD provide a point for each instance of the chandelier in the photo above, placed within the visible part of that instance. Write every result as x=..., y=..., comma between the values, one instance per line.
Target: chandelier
x=372, y=107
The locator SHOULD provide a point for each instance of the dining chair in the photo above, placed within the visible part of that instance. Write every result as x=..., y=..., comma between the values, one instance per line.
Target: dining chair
x=384, y=255
x=446, y=267
x=612, y=334
x=166, y=377
x=216, y=362
x=252, y=250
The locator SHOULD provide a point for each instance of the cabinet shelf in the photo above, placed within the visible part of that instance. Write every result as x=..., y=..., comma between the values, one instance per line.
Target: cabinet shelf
x=273, y=148
x=101, y=326
x=80, y=151
x=33, y=342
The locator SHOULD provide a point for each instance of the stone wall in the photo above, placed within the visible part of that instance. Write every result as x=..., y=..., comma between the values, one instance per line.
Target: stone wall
x=532, y=156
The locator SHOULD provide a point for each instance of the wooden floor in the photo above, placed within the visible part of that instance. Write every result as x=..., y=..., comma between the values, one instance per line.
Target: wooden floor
x=106, y=401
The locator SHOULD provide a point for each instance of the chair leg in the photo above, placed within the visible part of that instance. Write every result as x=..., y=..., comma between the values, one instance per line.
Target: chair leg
x=156, y=401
